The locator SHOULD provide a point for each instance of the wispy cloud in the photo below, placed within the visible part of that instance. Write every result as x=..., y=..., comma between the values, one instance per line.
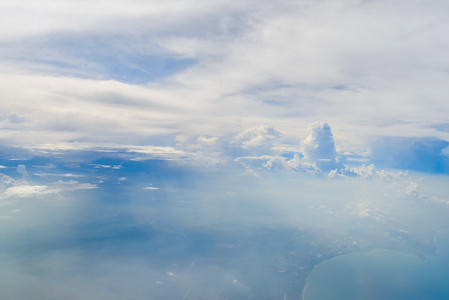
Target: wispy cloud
x=58, y=175
x=151, y=188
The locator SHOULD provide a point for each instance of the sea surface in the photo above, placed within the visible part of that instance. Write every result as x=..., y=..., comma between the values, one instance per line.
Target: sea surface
x=382, y=274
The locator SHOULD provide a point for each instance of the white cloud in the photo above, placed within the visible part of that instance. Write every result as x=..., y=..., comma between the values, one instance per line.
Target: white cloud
x=319, y=147
x=256, y=136
x=10, y=188
x=151, y=188
x=206, y=140
x=71, y=185
x=60, y=175
x=145, y=151
x=370, y=171
x=276, y=163
x=25, y=190
x=5, y=180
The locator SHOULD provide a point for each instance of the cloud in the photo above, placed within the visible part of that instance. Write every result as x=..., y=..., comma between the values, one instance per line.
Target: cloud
x=133, y=151
x=151, y=188
x=277, y=163
x=255, y=64
x=370, y=171
x=26, y=190
x=203, y=140
x=5, y=180
x=255, y=137
x=23, y=188
x=13, y=117
x=319, y=147
x=317, y=154
x=22, y=169
x=57, y=174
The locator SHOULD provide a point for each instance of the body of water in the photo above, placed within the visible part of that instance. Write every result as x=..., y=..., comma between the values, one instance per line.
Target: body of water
x=382, y=274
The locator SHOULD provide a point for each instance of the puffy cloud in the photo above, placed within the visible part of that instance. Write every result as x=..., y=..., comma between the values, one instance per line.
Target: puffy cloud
x=276, y=163
x=255, y=137
x=317, y=154
x=203, y=140
x=5, y=182
x=370, y=171
x=319, y=147
x=26, y=190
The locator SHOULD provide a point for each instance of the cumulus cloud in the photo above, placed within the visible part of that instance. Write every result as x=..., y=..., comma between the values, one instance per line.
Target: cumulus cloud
x=317, y=154
x=277, y=163
x=370, y=171
x=26, y=190
x=255, y=137
x=319, y=147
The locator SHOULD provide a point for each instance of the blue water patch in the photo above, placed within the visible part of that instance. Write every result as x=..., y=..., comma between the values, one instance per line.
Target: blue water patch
x=382, y=274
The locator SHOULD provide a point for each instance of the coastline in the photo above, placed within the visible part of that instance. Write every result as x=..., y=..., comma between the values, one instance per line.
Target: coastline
x=438, y=252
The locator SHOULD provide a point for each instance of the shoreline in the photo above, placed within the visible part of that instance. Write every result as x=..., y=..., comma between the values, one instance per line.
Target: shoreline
x=441, y=231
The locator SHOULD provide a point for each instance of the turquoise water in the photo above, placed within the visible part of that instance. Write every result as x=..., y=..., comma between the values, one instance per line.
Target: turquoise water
x=382, y=275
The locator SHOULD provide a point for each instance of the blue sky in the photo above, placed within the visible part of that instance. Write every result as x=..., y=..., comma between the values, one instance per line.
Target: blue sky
x=197, y=121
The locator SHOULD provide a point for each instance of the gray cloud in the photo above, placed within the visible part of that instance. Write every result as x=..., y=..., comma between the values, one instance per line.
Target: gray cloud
x=22, y=169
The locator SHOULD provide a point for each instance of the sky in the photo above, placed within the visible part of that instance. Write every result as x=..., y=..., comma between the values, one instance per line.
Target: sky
x=128, y=119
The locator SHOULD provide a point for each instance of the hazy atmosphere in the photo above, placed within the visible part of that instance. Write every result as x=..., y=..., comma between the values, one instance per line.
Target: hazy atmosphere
x=224, y=149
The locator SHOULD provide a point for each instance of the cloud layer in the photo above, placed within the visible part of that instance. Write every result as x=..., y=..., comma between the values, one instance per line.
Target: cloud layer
x=216, y=70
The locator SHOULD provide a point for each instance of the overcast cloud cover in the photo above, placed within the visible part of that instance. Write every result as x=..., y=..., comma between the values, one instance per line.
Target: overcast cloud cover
x=199, y=126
